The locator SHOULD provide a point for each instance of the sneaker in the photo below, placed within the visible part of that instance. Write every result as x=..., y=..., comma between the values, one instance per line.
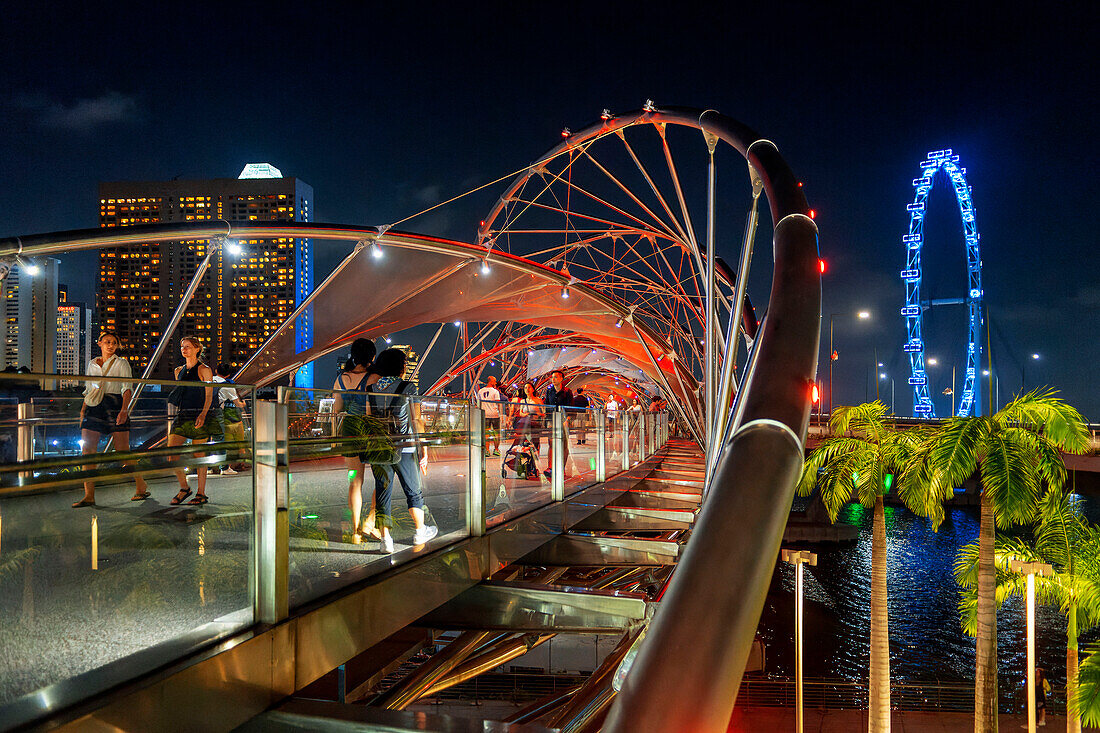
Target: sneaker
x=424, y=534
x=546, y=473
x=387, y=544
x=228, y=471
x=496, y=453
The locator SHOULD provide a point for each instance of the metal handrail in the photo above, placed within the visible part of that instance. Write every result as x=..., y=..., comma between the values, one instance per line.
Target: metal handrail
x=712, y=606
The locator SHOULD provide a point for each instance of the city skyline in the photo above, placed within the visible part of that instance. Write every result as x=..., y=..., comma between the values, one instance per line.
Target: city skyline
x=853, y=101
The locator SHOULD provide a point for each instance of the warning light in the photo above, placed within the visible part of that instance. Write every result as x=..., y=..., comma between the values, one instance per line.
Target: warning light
x=821, y=266
x=836, y=356
x=813, y=214
x=816, y=395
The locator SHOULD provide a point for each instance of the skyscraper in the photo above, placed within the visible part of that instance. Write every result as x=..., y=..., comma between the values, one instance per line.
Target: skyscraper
x=74, y=337
x=242, y=298
x=29, y=329
x=411, y=360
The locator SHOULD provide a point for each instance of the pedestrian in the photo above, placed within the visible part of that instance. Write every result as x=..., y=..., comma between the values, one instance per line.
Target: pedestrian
x=350, y=406
x=197, y=418
x=488, y=398
x=1042, y=688
x=232, y=407
x=580, y=401
x=558, y=396
x=106, y=411
x=389, y=399
x=526, y=415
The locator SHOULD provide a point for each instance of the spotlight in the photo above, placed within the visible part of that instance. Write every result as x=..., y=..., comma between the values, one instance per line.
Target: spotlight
x=649, y=106
x=33, y=269
x=566, y=132
x=234, y=247
x=458, y=323
x=375, y=249
x=388, y=339
x=485, y=269
x=606, y=115
x=565, y=291
x=619, y=323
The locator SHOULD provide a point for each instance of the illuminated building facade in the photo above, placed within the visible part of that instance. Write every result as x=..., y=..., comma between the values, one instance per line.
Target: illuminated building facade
x=74, y=337
x=29, y=329
x=243, y=298
x=411, y=360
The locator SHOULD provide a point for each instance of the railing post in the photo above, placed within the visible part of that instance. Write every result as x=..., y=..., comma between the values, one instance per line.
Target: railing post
x=475, y=476
x=25, y=432
x=601, y=446
x=271, y=518
x=557, y=442
x=625, y=427
x=643, y=444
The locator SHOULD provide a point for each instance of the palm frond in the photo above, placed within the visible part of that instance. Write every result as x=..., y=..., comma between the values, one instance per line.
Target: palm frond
x=1042, y=412
x=954, y=451
x=1085, y=701
x=1010, y=481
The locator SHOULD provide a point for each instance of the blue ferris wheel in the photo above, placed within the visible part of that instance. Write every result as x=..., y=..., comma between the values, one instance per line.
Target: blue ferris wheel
x=970, y=399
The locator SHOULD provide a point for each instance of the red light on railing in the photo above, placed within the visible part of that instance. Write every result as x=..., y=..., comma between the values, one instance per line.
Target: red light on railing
x=813, y=214
x=821, y=266
x=816, y=395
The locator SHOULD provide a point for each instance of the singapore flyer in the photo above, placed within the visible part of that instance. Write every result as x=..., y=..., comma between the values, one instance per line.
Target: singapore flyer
x=969, y=399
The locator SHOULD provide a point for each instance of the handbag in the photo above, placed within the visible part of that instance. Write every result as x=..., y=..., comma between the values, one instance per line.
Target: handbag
x=93, y=393
x=378, y=429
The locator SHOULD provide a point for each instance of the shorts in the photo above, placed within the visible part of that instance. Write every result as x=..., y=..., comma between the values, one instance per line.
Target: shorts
x=212, y=427
x=103, y=417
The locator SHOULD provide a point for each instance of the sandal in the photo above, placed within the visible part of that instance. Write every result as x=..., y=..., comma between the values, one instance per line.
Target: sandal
x=83, y=503
x=199, y=500
x=178, y=498
x=141, y=496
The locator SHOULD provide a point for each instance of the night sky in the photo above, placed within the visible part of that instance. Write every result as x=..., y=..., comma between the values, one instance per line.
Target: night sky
x=385, y=112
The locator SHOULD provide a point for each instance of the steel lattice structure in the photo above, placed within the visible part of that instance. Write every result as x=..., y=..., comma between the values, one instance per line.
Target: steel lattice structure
x=971, y=400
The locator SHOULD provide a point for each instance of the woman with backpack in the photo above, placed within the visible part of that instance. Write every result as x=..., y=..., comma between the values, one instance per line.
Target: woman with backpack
x=350, y=404
x=389, y=402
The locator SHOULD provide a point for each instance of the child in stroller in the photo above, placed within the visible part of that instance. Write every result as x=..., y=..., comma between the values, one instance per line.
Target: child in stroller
x=520, y=459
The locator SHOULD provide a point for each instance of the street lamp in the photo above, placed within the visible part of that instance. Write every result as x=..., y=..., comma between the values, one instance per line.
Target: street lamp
x=861, y=315
x=798, y=558
x=1023, y=371
x=1030, y=569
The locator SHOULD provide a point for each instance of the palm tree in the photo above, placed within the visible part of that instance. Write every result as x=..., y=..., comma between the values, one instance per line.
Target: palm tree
x=1085, y=702
x=854, y=465
x=1071, y=546
x=1015, y=452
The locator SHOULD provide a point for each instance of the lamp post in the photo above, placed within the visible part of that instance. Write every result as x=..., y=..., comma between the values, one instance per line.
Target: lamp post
x=1023, y=371
x=882, y=376
x=798, y=558
x=1030, y=569
x=863, y=316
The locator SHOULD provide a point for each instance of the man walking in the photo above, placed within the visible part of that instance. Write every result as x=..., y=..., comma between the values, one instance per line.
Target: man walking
x=488, y=397
x=557, y=397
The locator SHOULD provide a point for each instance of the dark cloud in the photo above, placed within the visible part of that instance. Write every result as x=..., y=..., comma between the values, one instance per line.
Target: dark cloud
x=82, y=115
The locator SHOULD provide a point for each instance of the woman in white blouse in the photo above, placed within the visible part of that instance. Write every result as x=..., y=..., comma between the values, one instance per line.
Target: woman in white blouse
x=106, y=411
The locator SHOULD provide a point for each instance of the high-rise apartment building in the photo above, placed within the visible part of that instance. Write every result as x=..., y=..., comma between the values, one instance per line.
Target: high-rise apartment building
x=242, y=298
x=29, y=329
x=74, y=337
x=411, y=360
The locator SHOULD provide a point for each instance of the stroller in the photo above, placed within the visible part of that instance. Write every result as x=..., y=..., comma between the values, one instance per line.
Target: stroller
x=520, y=459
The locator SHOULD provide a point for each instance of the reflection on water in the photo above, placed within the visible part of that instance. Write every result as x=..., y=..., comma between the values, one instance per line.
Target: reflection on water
x=926, y=640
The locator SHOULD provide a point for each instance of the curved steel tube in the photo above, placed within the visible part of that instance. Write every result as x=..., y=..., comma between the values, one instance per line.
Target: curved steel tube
x=713, y=603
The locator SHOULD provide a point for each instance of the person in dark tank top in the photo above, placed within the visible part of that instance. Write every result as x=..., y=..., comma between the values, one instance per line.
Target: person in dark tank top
x=195, y=420
x=350, y=405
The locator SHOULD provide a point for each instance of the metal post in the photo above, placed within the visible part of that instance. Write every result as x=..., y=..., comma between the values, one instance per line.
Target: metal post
x=643, y=444
x=625, y=427
x=475, y=476
x=272, y=520
x=601, y=445
x=557, y=443
x=25, y=432
x=798, y=558
x=710, y=394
